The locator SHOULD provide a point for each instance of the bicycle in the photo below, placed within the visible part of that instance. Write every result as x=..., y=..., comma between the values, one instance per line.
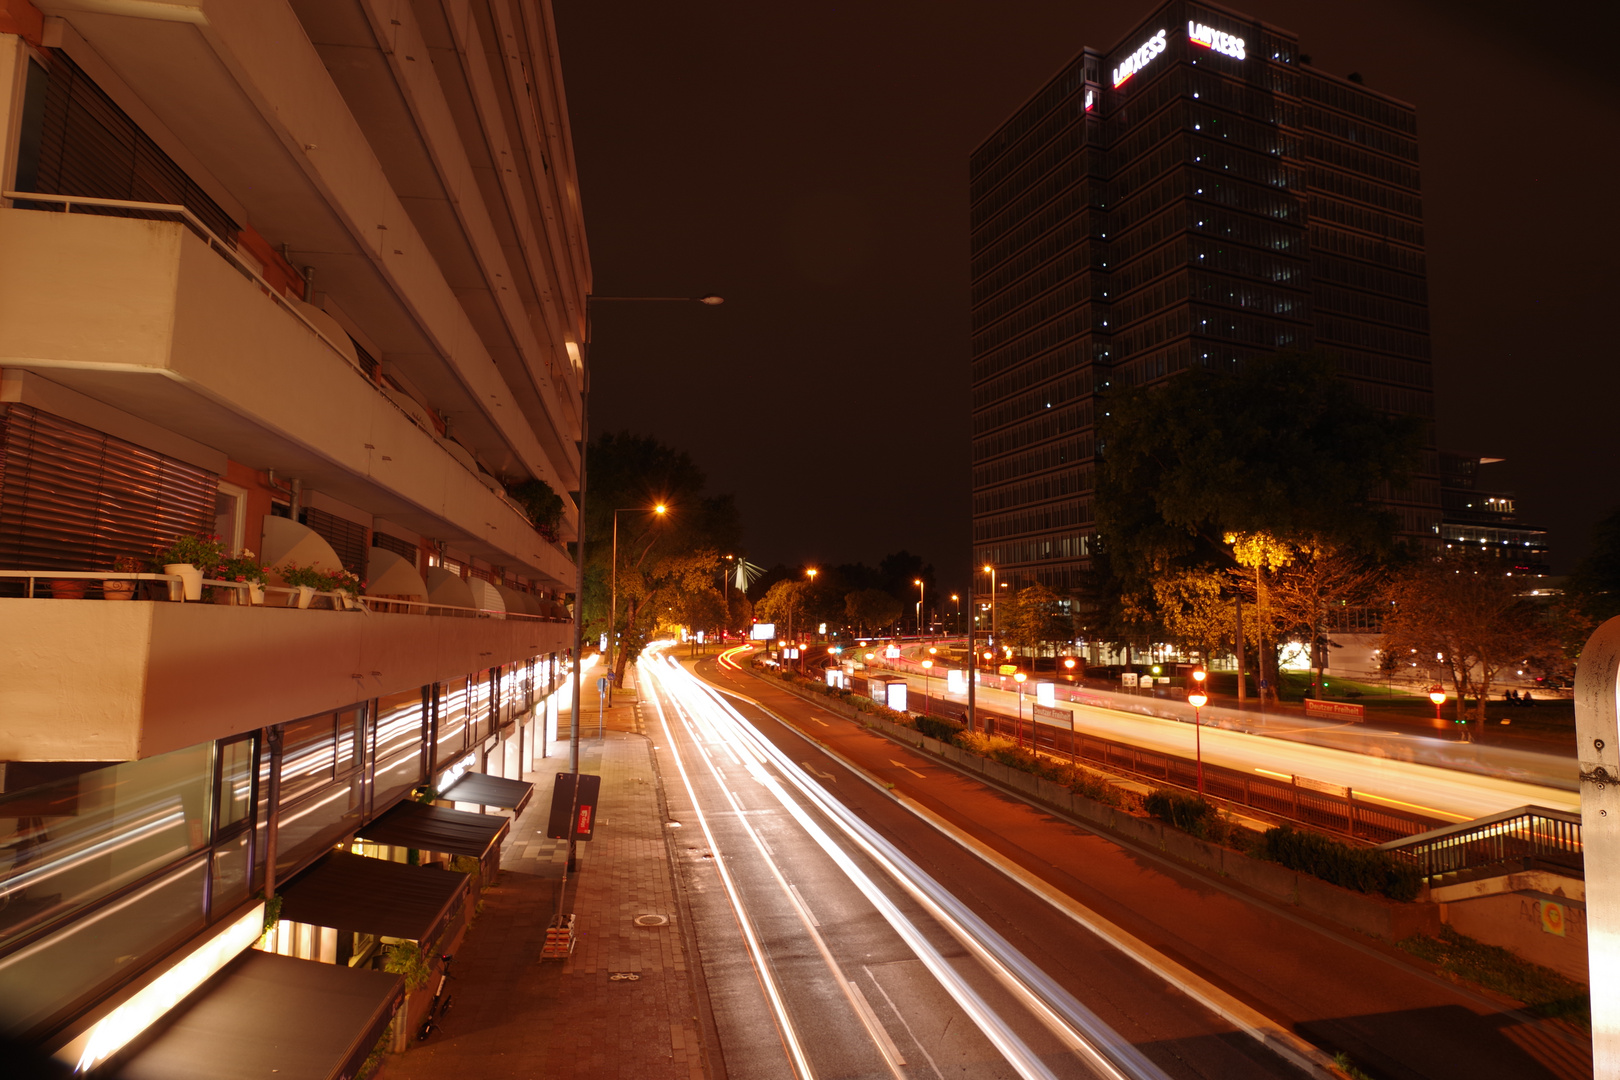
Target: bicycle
x=440, y=1003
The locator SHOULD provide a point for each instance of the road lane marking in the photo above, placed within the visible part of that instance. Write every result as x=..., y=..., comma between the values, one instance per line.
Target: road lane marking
x=811, y=915
x=900, y=1016
x=908, y=768
x=813, y=771
x=881, y=1034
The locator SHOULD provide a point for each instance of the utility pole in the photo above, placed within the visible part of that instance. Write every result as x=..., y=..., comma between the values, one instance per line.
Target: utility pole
x=973, y=656
x=1243, y=675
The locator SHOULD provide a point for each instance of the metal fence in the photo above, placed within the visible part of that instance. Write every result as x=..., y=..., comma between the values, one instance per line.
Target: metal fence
x=1321, y=806
x=1520, y=839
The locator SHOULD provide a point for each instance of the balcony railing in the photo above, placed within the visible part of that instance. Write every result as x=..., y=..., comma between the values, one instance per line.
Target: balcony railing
x=1520, y=839
x=245, y=595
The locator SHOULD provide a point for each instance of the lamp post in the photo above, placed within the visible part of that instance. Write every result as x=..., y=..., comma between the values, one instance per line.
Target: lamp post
x=613, y=595
x=992, y=572
x=1198, y=699
x=584, y=360
x=799, y=645
x=918, y=582
x=1018, y=729
x=1438, y=696
x=927, y=666
x=957, y=600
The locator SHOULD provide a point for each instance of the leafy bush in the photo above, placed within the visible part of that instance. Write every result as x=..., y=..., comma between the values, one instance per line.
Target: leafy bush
x=1361, y=869
x=934, y=727
x=1545, y=991
x=543, y=505
x=405, y=958
x=203, y=552
x=1189, y=813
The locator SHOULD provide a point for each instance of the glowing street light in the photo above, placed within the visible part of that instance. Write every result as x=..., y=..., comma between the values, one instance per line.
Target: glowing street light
x=992, y=572
x=1068, y=662
x=927, y=666
x=659, y=510
x=1198, y=699
x=919, y=583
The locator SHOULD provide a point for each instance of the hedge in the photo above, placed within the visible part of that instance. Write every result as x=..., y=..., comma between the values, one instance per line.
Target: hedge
x=1361, y=869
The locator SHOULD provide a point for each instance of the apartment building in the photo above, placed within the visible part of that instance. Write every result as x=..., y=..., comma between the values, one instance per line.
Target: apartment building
x=308, y=276
x=1193, y=195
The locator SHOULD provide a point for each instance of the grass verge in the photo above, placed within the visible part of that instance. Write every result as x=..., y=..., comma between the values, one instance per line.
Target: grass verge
x=1544, y=991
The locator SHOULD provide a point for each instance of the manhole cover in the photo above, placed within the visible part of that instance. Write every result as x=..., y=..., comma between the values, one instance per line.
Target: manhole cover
x=651, y=920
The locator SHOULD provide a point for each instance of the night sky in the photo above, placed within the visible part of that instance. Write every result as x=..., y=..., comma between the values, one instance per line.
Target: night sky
x=809, y=163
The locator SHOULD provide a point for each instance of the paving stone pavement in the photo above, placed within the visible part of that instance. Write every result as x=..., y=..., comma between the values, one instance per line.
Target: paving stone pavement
x=514, y=1016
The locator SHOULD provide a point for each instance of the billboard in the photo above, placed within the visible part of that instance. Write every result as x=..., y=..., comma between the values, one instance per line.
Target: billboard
x=762, y=631
x=896, y=694
x=955, y=681
x=1045, y=694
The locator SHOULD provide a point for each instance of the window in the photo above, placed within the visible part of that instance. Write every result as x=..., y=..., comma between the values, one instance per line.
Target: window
x=230, y=515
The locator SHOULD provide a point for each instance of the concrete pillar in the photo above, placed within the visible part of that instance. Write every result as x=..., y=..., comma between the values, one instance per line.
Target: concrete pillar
x=1597, y=706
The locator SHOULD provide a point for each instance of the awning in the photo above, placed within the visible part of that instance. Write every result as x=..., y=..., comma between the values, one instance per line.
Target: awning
x=477, y=787
x=265, y=1015
x=373, y=896
x=433, y=828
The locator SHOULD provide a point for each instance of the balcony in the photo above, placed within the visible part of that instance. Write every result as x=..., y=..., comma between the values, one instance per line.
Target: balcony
x=158, y=318
x=100, y=681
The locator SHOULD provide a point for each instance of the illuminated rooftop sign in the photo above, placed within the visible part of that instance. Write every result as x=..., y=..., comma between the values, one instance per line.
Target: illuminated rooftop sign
x=1211, y=38
x=1139, y=59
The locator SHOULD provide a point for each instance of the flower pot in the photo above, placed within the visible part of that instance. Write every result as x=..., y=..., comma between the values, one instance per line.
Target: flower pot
x=255, y=594
x=190, y=579
x=350, y=602
x=68, y=589
x=114, y=589
x=305, y=595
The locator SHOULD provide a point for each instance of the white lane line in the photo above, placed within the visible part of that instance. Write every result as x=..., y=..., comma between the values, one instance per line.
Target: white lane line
x=900, y=1016
x=784, y=1024
x=886, y=1044
x=806, y=907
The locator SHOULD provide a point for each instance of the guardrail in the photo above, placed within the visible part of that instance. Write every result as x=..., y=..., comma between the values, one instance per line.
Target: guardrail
x=1519, y=839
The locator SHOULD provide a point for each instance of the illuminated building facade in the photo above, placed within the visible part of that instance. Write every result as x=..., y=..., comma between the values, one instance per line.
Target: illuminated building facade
x=309, y=276
x=1195, y=195
x=1479, y=517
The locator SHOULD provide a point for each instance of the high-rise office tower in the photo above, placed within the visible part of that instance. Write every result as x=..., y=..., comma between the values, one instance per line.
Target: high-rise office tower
x=308, y=276
x=1195, y=195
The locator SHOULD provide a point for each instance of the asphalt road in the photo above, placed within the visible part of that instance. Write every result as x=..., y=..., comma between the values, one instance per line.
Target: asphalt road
x=1391, y=1015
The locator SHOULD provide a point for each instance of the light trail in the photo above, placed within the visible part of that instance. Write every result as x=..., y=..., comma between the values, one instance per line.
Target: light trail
x=1075, y=1026
x=756, y=952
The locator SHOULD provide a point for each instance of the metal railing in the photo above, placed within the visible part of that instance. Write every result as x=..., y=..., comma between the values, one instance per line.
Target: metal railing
x=333, y=600
x=1519, y=839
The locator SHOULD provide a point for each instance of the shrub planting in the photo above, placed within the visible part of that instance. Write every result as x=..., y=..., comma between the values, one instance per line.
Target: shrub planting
x=1189, y=813
x=1361, y=869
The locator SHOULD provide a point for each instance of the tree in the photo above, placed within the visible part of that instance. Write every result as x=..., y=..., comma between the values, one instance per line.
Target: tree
x=1032, y=617
x=1261, y=555
x=1595, y=585
x=780, y=604
x=1195, y=611
x=872, y=608
x=1320, y=576
x=1279, y=447
x=1462, y=617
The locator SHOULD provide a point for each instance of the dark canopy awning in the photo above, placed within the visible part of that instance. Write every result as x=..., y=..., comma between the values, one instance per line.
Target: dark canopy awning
x=372, y=896
x=265, y=1015
x=433, y=828
x=477, y=787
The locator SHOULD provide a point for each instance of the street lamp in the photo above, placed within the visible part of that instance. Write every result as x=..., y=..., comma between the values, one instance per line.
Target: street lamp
x=1068, y=662
x=1438, y=696
x=992, y=572
x=957, y=600
x=927, y=666
x=1018, y=729
x=1198, y=699
x=613, y=593
x=918, y=582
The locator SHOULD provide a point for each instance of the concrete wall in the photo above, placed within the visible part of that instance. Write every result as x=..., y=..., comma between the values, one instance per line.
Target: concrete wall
x=1513, y=920
x=88, y=680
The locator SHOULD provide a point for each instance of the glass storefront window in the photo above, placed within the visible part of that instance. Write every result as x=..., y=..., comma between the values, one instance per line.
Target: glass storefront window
x=308, y=755
x=400, y=723
x=44, y=980
x=236, y=761
x=66, y=844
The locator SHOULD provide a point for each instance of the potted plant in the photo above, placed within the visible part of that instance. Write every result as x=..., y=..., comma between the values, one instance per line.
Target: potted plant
x=306, y=579
x=190, y=558
x=68, y=588
x=347, y=585
x=245, y=568
x=122, y=588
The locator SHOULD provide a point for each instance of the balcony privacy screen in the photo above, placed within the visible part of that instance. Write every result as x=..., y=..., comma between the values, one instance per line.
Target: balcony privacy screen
x=89, y=146
x=73, y=498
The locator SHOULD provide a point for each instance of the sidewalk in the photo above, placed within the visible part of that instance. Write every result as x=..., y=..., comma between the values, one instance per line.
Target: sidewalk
x=516, y=1017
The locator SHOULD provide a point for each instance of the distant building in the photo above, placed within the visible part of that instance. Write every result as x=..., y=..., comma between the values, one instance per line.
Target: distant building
x=310, y=276
x=1484, y=518
x=1194, y=195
